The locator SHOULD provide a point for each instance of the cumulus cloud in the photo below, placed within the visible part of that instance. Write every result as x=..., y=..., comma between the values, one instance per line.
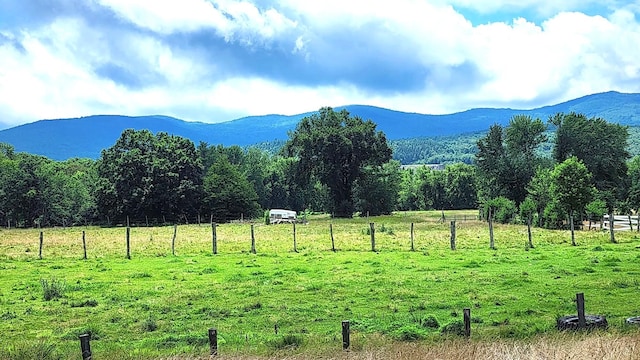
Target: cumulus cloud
x=214, y=60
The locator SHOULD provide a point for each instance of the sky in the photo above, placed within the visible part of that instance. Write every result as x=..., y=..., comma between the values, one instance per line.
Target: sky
x=217, y=60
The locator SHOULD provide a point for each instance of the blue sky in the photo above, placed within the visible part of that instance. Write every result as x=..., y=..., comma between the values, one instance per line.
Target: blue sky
x=216, y=60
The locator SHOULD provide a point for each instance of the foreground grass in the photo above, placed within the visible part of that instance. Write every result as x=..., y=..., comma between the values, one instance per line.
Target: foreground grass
x=157, y=304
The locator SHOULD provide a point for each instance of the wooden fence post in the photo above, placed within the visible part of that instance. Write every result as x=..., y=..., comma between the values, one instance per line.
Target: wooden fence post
x=582, y=321
x=253, y=241
x=372, y=229
x=85, y=346
x=333, y=244
x=84, y=246
x=214, y=239
x=295, y=246
x=173, y=240
x=41, y=242
x=345, y=335
x=412, y=248
x=128, y=243
x=453, y=235
x=213, y=341
x=467, y=322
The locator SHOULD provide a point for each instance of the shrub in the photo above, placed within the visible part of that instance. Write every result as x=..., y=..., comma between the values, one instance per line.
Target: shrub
x=503, y=209
x=53, y=289
x=430, y=322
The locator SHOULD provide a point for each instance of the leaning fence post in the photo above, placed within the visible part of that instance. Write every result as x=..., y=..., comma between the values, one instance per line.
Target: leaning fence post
x=372, y=228
x=41, y=242
x=85, y=346
x=333, y=244
x=467, y=322
x=84, y=245
x=253, y=241
x=173, y=240
x=345, y=335
x=582, y=321
x=213, y=341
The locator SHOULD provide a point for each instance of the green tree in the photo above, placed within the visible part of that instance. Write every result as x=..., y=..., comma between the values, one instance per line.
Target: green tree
x=539, y=190
x=527, y=208
x=571, y=186
x=335, y=147
x=595, y=211
x=149, y=175
x=228, y=195
x=492, y=165
x=601, y=146
x=376, y=190
x=461, y=186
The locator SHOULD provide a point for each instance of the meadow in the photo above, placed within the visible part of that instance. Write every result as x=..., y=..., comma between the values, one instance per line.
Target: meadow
x=280, y=303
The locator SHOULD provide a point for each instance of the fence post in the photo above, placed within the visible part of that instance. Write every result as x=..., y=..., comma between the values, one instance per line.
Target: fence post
x=128, y=243
x=214, y=239
x=345, y=335
x=372, y=228
x=295, y=245
x=253, y=241
x=582, y=321
x=84, y=246
x=412, y=248
x=85, y=346
x=467, y=322
x=173, y=240
x=453, y=235
x=41, y=241
x=333, y=244
x=213, y=341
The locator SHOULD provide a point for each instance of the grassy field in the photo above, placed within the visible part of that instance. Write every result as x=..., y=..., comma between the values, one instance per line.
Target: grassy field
x=161, y=305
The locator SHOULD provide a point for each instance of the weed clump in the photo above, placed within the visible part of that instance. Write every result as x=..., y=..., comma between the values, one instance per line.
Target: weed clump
x=27, y=351
x=149, y=324
x=455, y=327
x=53, y=289
x=409, y=333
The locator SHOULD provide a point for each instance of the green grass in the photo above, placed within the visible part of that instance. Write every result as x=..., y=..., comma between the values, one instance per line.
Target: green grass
x=157, y=304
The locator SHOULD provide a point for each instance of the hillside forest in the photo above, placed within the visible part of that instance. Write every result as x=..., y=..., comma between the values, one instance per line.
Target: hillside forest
x=543, y=173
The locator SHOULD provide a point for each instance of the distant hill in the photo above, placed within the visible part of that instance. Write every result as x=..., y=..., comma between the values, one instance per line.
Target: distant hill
x=87, y=136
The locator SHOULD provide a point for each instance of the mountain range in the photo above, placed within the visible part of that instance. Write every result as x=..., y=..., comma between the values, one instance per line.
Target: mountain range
x=85, y=137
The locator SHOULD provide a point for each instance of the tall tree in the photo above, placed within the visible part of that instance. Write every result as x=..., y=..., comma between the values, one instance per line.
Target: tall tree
x=376, y=190
x=571, y=186
x=228, y=195
x=335, y=147
x=149, y=175
x=492, y=164
x=601, y=146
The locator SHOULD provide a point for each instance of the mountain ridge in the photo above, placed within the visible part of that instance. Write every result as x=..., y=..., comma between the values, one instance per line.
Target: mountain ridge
x=60, y=139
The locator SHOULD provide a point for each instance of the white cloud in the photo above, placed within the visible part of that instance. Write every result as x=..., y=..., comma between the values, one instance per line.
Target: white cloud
x=234, y=20
x=54, y=72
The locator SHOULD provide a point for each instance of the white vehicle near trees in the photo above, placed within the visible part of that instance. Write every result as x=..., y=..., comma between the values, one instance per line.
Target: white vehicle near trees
x=277, y=216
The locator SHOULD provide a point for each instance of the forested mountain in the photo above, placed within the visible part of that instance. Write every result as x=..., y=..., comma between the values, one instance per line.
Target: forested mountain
x=86, y=137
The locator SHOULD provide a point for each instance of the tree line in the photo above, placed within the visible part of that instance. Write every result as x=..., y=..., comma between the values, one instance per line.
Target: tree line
x=332, y=163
